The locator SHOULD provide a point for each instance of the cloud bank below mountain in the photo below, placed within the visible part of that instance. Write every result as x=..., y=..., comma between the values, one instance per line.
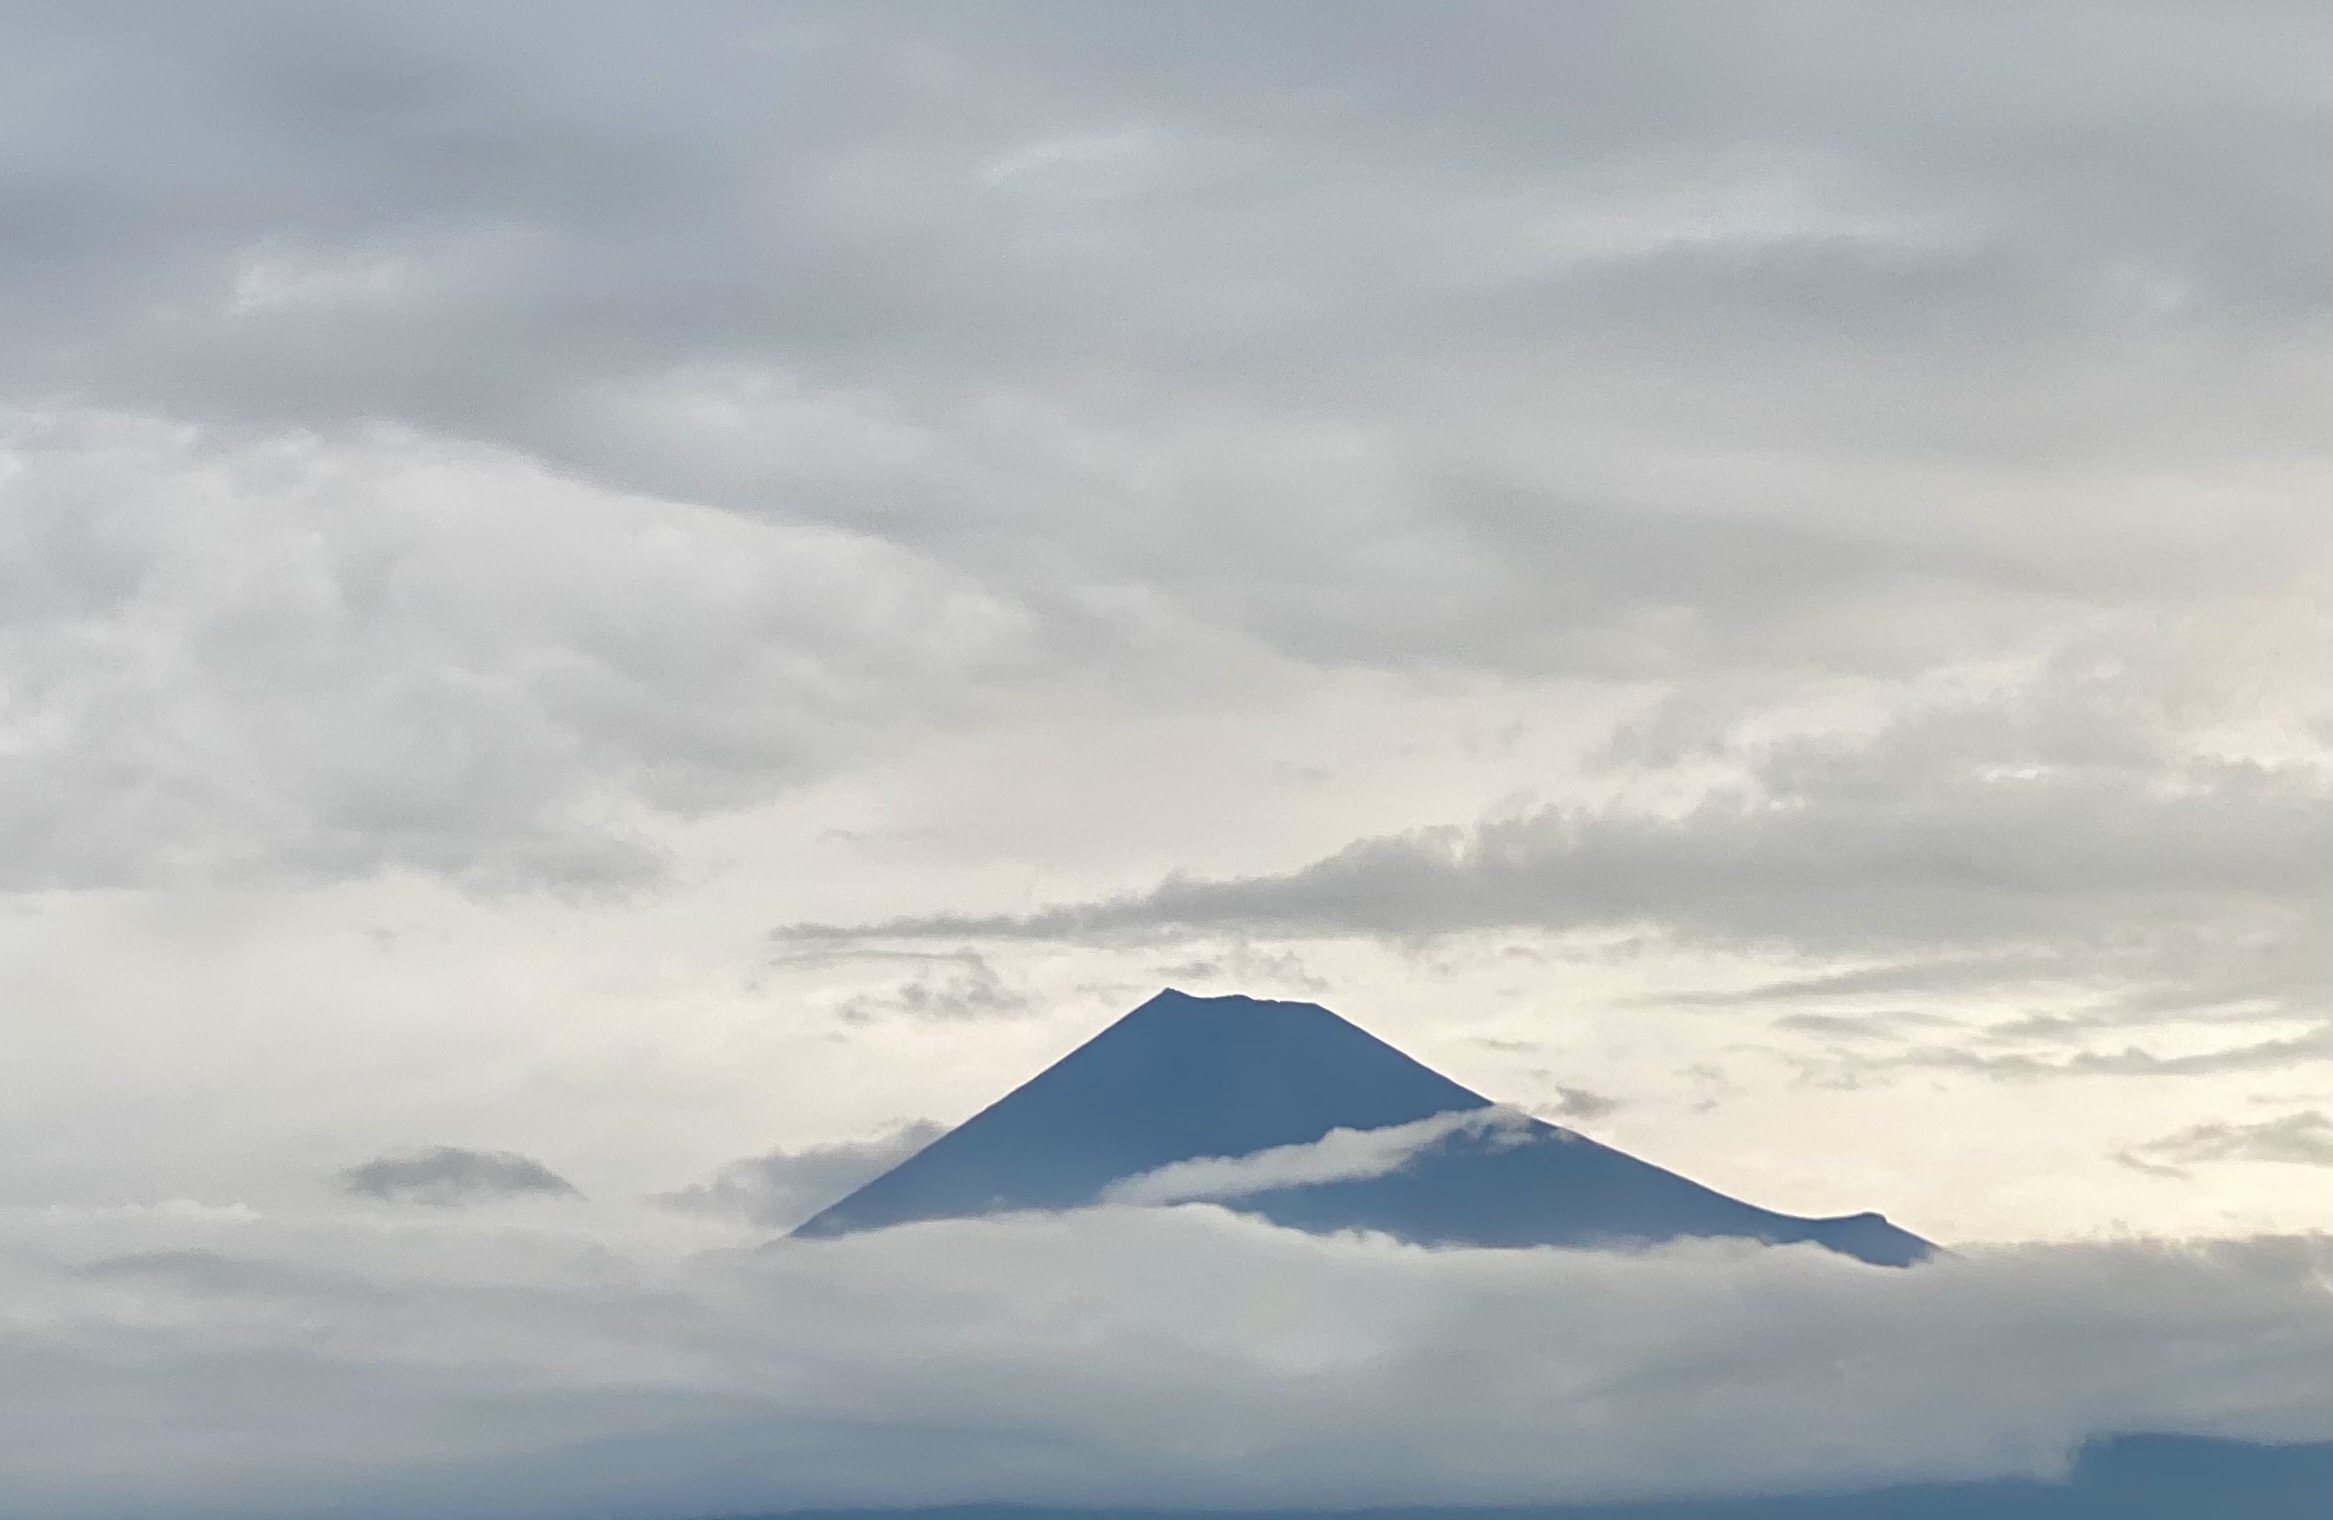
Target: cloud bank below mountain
x=180, y=1362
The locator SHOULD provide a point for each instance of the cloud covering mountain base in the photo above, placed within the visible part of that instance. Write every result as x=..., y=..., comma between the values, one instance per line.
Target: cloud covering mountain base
x=525, y=1359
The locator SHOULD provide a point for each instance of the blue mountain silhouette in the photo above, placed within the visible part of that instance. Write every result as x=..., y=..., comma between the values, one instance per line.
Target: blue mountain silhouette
x=1182, y=1078
x=2122, y=1478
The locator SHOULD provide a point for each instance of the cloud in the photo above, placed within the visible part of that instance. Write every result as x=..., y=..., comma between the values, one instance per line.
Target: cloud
x=803, y=388
x=1341, y=1155
x=1579, y=1103
x=2304, y=1138
x=1915, y=977
x=970, y=989
x=2040, y=834
x=296, y=661
x=2131, y=1060
x=783, y=1188
x=1266, y=327
x=1244, y=966
x=1988, y=859
x=449, y=1174
x=1881, y=1047
x=185, y=1362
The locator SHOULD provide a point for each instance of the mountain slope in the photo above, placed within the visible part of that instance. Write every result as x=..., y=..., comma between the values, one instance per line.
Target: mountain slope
x=2123, y=1478
x=1182, y=1078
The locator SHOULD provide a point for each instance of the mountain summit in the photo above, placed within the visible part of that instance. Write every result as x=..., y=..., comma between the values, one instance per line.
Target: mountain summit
x=1183, y=1079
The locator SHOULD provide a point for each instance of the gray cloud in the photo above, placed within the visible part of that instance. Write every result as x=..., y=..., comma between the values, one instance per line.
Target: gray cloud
x=781, y=1189
x=498, y=230
x=2304, y=1138
x=1837, y=1026
x=287, y=663
x=1044, y=207
x=1994, y=860
x=2041, y=837
x=964, y=986
x=1979, y=1054
x=1244, y=966
x=526, y=1371
x=1131, y=352
x=450, y=1174
x=1579, y=1103
x=1921, y=976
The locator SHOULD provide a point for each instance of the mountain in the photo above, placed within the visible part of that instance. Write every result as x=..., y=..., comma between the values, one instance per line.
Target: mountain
x=1183, y=1078
x=2119, y=1479
x=2122, y=1478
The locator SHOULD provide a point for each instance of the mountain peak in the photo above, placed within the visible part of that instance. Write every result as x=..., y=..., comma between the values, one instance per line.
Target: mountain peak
x=1177, y=1078
x=1182, y=1078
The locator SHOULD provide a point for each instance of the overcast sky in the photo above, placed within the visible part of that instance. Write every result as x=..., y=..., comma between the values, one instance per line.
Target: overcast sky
x=610, y=611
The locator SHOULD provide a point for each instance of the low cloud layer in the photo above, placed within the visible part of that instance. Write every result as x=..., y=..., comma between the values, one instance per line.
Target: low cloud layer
x=188, y=1362
x=1341, y=1155
x=448, y=1175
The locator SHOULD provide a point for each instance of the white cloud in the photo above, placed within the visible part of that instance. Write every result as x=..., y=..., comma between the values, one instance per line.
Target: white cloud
x=184, y=1362
x=1341, y=1155
x=310, y=658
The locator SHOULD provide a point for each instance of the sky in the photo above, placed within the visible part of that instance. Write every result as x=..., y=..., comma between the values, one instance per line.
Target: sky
x=611, y=613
